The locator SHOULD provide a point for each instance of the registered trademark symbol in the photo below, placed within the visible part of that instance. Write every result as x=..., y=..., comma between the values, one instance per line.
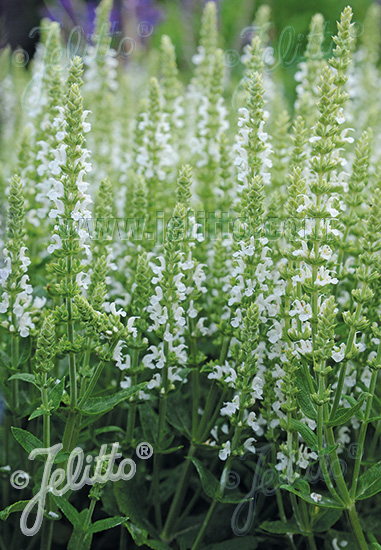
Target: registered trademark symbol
x=144, y=450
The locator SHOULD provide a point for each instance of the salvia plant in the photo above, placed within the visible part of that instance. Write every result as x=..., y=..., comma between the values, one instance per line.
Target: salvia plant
x=190, y=273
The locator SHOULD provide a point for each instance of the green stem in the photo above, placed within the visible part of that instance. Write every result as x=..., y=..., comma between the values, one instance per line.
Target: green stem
x=348, y=348
x=205, y=425
x=178, y=499
x=376, y=436
x=157, y=458
x=350, y=505
x=307, y=525
x=363, y=430
x=70, y=335
x=133, y=407
x=93, y=382
x=355, y=523
x=14, y=362
x=47, y=529
x=219, y=494
x=89, y=514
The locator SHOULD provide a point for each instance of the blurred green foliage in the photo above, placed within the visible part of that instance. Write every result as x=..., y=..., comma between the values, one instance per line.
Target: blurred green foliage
x=289, y=30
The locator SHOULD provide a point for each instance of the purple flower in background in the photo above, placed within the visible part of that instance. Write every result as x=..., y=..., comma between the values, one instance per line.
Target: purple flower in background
x=73, y=13
x=144, y=10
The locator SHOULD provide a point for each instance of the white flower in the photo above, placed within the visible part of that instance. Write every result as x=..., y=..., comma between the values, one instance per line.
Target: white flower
x=325, y=252
x=155, y=382
x=236, y=321
x=156, y=359
x=257, y=386
x=316, y=497
x=225, y=452
x=230, y=408
x=248, y=445
x=302, y=309
x=324, y=278
x=276, y=332
x=130, y=326
x=119, y=312
x=339, y=353
x=192, y=311
x=305, y=346
x=4, y=305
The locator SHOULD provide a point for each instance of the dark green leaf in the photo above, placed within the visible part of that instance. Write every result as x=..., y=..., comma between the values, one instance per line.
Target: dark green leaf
x=238, y=543
x=325, y=502
x=149, y=420
x=104, y=404
x=36, y=413
x=304, y=396
x=210, y=484
x=108, y=523
x=178, y=413
x=281, y=528
x=25, y=377
x=324, y=519
x=307, y=434
x=27, y=440
x=130, y=497
x=369, y=483
x=25, y=349
x=352, y=401
x=344, y=415
x=69, y=511
x=80, y=540
x=138, y=534
x=56, y=393
x=157, y=545
x=15, y=507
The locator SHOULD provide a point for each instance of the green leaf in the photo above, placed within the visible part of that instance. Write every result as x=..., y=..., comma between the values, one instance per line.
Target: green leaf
x=104, y=404
x=69, y=511
x=80, y=540
x=325, y=502
x=369, y=483
x=304, y=396
x=36, y=413
x=344, y=415
x=54, y=396
x=27, y=440
x=281, y=528
x=324, y=519
x=25, y=377
x=178, y=413
x=352, y=401
x=138, y=534
x=25, y=349
x=307, y=434
x=107, y=430
x=15, y=507
x=56, y=393
x=108, y=523
x=149, y=421
x=130, y=497
x=210, y=484
x=238, y=543
x=157, y=545
x=169, y=451
x=329, y=449
x=5, y=360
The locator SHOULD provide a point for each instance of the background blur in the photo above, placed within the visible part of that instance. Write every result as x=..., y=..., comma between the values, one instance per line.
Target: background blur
x=146, y=20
